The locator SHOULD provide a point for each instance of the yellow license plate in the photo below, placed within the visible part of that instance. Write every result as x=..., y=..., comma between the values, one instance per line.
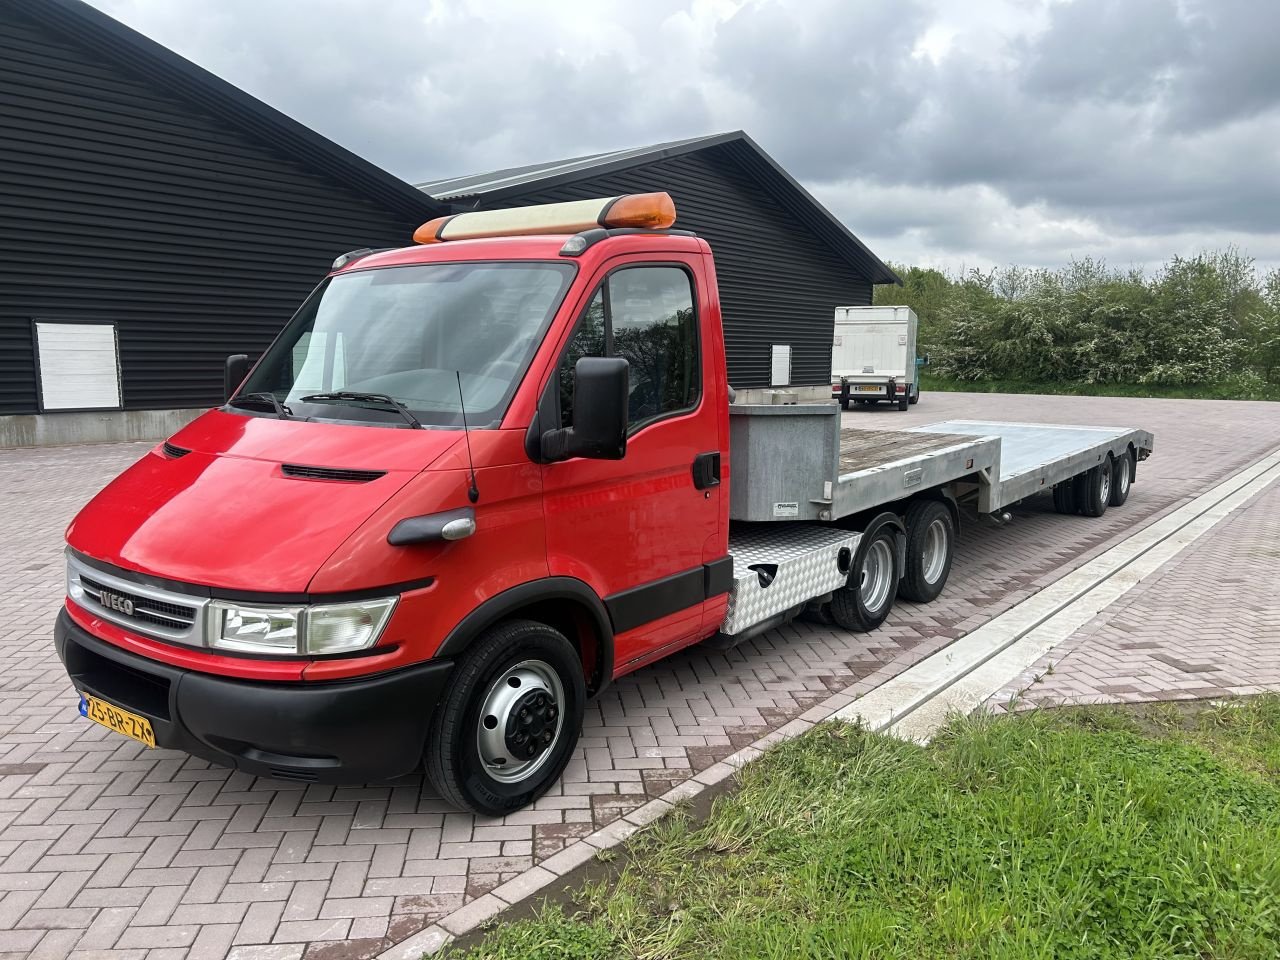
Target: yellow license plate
x=121, y=721
x=870, y=388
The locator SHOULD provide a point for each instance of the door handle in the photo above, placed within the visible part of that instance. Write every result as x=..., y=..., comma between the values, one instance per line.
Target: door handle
x=706, y=470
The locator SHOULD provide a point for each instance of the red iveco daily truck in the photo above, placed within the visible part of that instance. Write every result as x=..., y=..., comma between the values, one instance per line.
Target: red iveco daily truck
x=475, y=480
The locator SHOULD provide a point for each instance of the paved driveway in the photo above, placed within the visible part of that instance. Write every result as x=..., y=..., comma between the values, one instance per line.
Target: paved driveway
x=107, y=846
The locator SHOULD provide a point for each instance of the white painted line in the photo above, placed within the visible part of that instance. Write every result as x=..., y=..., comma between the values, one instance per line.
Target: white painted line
x=913, y=690
x=958, y=678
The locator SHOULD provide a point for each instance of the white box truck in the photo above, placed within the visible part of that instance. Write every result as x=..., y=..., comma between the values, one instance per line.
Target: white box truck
x=873, y=356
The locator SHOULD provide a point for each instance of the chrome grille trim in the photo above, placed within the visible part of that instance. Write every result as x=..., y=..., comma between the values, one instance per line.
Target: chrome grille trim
x=157, y=612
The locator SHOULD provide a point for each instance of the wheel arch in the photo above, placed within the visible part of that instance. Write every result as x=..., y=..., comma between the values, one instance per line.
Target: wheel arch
x=563, y=603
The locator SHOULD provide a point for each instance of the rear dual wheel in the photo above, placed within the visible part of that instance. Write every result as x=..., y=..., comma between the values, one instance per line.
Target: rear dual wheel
x=1091, y=492
x=867, y=597
x=931, y=537
x=1121, y=478
x=507, y=726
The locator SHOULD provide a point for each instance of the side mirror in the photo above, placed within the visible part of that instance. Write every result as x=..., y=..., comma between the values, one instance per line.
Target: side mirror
x=233, y=374
x=599, y=430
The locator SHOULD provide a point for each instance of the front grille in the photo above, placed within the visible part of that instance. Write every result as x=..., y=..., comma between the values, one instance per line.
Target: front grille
x=136, y=603
x=301, y=472
x=147, y=609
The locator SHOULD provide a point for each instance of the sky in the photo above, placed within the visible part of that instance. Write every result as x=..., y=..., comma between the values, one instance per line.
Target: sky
x=950, y=133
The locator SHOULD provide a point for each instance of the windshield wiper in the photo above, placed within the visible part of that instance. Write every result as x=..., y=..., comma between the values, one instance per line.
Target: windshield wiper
x=343, y=395
x=281, y=411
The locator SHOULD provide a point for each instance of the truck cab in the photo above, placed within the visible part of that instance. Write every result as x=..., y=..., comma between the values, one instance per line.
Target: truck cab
x=469, y=484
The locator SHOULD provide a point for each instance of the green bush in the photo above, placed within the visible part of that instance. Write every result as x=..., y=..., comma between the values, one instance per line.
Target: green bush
x=1200, y=320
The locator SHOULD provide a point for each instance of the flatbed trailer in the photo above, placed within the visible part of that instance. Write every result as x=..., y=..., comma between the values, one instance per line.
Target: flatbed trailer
x=862, y=480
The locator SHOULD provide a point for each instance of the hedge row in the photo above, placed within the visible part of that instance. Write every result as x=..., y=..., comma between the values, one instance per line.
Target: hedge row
x=1198, y=320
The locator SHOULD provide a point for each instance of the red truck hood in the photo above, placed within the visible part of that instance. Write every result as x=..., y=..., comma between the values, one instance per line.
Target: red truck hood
x=225, y=514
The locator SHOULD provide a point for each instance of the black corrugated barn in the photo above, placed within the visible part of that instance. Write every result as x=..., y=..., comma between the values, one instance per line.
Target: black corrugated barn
x=157, y=219
x=783, y=261
x=144, y=197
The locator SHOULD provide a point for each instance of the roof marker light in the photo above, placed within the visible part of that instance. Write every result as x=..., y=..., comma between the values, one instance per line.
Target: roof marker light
x=649, y=211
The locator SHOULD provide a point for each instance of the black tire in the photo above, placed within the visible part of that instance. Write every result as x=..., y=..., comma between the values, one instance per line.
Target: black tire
x=847, y=607
x=922, y=548
x=904, y=403
x=453, y=761
x=846, y=404
x=1121, y=478
x=1095, y=490
x=1064, y=496
x=915, y=397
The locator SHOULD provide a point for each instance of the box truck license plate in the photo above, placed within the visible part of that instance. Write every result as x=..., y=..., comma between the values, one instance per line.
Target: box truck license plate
x=869, y=388
x=121, y=721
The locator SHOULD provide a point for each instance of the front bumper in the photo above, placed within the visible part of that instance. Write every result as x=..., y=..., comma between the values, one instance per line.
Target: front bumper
x=349, y=731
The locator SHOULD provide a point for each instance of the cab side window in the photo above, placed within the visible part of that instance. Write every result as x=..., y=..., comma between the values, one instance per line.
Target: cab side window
x=646, y=315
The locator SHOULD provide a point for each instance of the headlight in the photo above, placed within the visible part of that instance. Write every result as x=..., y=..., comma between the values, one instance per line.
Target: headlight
x=303, y=631
x=254, y=629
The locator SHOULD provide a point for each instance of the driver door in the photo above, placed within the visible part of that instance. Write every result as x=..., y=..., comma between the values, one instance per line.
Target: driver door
x=635, y=529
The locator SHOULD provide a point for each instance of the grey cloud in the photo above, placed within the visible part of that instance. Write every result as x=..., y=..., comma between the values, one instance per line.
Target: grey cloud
x=1104, y=51
x=1118, y=125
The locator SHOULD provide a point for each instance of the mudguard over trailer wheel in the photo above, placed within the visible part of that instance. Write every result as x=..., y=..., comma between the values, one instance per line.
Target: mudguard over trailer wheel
x=867, y=599
x=931, y=537
x=506, y=728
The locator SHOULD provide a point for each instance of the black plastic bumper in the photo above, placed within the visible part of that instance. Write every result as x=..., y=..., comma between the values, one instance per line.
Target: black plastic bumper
x=350, y=731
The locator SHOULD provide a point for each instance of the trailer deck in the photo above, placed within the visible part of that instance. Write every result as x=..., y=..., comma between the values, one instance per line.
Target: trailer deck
x=880, y=466
x=1035, y=456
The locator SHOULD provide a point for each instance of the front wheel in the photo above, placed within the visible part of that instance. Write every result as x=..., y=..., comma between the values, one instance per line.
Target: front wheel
x=507, y=726
x=865, y=601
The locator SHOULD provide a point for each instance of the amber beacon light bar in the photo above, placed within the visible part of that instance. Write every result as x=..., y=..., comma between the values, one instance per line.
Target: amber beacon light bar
x=645, y=211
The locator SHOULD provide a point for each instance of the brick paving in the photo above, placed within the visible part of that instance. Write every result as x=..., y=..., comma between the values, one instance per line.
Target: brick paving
x=1207, y=624
x=112, y=850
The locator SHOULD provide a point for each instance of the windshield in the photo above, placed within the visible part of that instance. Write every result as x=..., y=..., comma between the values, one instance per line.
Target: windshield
x=409, y=333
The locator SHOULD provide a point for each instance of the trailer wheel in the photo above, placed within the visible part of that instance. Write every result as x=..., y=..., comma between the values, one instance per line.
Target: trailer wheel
x=867, y=598
x=1064, y=496
x=506, y=728
x=1095, y=489
x=1121, y=478
x=931, y=537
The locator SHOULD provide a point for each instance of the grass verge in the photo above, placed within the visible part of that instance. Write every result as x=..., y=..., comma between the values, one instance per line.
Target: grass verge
x=1252, y=390
x=1099, y=832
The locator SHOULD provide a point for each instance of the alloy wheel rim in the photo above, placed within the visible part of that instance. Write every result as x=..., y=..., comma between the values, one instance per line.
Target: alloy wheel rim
x=520, y=721
x=935, y=551
x=875, y=576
